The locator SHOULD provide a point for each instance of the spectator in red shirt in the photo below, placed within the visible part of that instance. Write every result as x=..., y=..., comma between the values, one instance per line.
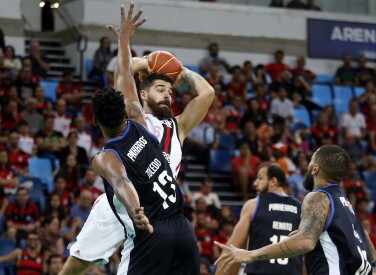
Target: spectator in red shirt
x=300, y=70
x=223, y=236
x=214, y=76
x=18, y=158
x=322, y=128
x=88, y=184
x=210, y=213
x=232, y=116
x=22, y=216
x=10, y=116
x=60, y=189
x=278, y=66
x=72, y=92
x=237, y=86
x=8, y=178
x=29, y=260
x=259, y=89
x=204, y=237
x=44, y=106
x=244, y=168
x=355, y=185
x=215, y=115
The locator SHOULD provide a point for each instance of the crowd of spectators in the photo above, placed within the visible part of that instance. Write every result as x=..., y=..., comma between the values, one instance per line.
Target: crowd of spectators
x=254, y=105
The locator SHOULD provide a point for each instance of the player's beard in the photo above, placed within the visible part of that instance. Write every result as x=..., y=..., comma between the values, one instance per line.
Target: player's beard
x=308, y=182
x=161, y=109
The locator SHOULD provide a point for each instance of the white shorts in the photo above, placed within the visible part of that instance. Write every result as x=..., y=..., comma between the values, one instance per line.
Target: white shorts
x=102, y=233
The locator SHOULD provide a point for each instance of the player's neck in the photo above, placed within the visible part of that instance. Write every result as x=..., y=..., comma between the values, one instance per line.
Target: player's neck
x=320, y=183
x=113, y=133
x=278, y=191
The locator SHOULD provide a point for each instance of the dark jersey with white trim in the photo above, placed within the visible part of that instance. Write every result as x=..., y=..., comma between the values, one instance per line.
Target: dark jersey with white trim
x=148, y=170
x=274, y=219
x=342, y=247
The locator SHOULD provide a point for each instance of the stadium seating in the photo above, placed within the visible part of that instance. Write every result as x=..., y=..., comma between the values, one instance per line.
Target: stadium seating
x=323, y=78
x=358, y=91
x=220, y=161
x=322, y=94
x=227, y=141
x=36, y=194
x=42, y=169
x=7, y=246
x=49, y=87
x=342, y=97
x=89, y=64
x=301, y=115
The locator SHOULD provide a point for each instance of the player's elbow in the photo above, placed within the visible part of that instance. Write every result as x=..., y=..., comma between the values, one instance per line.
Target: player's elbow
x=308, y=245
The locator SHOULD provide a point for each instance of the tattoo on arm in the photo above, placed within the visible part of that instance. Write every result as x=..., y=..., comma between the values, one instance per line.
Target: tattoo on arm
x=371, y=247
x=315, y=211
x=191, y=79
x=133, y=109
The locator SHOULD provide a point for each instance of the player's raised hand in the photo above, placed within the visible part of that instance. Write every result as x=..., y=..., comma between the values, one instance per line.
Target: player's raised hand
x=141, y=221
x=128, y=25
x=231, y=255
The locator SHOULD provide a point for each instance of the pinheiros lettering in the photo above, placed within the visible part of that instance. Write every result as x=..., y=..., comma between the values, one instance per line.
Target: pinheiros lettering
x=353, y=34
x=347, y=204
x=282, y=226
x=153, y=167
x=137, y=148
x=283, y=207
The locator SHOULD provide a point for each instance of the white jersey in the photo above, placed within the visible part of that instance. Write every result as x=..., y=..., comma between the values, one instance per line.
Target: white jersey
x=167, y=133
x=102, y=223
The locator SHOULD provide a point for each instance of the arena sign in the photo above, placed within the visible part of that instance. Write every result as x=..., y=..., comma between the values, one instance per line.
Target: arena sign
x=330, y=39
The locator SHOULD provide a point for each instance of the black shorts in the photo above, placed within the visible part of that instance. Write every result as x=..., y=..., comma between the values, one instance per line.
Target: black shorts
x=171, y=249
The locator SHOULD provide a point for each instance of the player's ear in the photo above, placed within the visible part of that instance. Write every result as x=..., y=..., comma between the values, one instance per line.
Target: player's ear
x=144, y=95
x=316, y=169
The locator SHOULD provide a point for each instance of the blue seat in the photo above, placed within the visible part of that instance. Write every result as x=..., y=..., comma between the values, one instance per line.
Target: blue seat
x=220, y=161
x=251, y=95
x=6, y=247
x=227, y=141
x=342, y=97
x=322, y=94
x=358, y=91
x=323, y=78
x=49, y=87
x=89, y=65
x=41, y=168
x=36, y=194
x=301, y=115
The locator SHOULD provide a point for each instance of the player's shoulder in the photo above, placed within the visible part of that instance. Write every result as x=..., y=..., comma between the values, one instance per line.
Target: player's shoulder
x=316, y=198
x=250, y=206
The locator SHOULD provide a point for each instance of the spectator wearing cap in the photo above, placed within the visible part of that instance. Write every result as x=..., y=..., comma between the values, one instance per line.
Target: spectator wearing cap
x=22, y=216
x=244, y=168
x=274, y=69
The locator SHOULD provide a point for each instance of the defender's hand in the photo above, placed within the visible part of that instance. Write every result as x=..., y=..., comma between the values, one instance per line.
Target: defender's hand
x=231, y=255
x=128, y=24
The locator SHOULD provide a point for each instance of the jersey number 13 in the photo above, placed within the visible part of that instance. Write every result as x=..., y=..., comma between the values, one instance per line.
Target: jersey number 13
x=163, y=179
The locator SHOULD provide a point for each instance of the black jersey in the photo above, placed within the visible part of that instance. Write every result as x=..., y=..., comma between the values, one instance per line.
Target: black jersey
x=148, y=170
x=342, y=247
x=274, y=219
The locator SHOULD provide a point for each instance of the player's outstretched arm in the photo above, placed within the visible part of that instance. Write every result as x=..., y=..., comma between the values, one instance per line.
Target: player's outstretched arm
x=240, y=234
x=125, y=82
x=109, y=167
x=315, y=211
x=197, y=109
x=371, y=248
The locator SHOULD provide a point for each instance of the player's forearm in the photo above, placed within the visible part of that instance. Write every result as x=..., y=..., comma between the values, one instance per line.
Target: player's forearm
x=127, y=195
x=139, y=64
x=371, y=248
x=202, y=87
x=296, y=245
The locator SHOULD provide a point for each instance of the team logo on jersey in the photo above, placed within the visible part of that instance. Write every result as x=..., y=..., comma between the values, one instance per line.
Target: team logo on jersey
x=167, y=157
x=167, y=123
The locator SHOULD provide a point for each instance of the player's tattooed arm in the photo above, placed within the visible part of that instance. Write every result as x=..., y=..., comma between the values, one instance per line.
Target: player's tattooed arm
x=198, y=107
x=371, y=248
x=315, y=211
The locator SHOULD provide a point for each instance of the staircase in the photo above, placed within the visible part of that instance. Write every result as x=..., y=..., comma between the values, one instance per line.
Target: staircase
x=52, y=49
x=195, y=173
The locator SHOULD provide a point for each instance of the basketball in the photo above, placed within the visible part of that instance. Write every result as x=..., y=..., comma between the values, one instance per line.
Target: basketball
x=165, y=63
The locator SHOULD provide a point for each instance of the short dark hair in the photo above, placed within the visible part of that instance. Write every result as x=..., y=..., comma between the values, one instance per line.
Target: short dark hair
x=279, y=52
x=108, y=107
x=22, y=188
x=274, y=170
x=236, y=67
x=53, y=256
x=333, y=161
x=241, y=143
x=149, y=80
x=214, y=44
